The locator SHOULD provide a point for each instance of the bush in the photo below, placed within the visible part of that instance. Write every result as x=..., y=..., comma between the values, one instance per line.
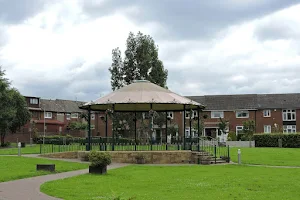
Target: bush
x=6, y=144
x=85, y=157
x=99, y=159
x=231, y=136
x=271, y=140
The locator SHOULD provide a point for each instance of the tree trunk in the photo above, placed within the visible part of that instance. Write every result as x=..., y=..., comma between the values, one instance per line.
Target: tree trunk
x=2, y=136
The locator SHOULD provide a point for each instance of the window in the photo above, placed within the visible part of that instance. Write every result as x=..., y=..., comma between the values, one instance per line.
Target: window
x=34, y=114
x=34, y=101
x=74, y=115
x=288, y=115
x=187, y=114
x=195, y=114
x=48, y=115
x=217, y=114
x=187, y=133
x=146, y=115
x=170, y=115
x=267, y=113
x=93, y=116
x=267, y=128
x=68, y=116
x=289, y=129
x=242, y=114
x=239, y=130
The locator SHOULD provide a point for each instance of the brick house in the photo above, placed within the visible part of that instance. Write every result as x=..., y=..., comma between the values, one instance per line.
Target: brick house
x=271, y=113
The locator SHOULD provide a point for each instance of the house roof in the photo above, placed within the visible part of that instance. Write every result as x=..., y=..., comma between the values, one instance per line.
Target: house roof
x=59, y=105
x=142, y=95
x=249, y=101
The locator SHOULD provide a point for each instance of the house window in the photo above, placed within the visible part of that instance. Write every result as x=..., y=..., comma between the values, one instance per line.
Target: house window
x=242, y=114
x=146, y=115
x=170, y=115
x=93, y=116
x=48, y=115
x=239, y=130
x=289, y=129
x=68, y=116
x=74, y=115
x=195, y=114
x=217, y=114
x=187, y=132
x=34, y=101
x=188, y=112
x=267, y=128
x=34, y=114
x=267, y=113
x=288, y=115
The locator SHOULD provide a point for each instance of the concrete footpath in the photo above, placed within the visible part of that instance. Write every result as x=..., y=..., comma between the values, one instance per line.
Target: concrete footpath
x=29, y=188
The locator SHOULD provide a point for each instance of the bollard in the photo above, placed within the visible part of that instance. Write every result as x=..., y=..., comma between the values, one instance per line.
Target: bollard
x=19, y=148
x=239, y=157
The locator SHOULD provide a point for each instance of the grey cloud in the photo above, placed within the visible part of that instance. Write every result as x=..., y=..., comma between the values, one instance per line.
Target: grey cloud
x=188, y=19
x=277, y=29
x=15, y=11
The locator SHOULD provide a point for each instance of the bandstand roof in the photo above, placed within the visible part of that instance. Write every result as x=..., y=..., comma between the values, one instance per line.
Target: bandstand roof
x=142, y=96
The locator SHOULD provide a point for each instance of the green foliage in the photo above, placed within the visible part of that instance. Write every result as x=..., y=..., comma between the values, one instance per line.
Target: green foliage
x=78, y=125
x=99, y=159
x=232, y=136
x=13, y=108
x=141, y=62
x=271, y=140
x=222, y=125
x=248, y=130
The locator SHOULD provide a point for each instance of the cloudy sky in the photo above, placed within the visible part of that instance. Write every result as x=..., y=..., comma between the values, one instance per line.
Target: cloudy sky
x=62, y=48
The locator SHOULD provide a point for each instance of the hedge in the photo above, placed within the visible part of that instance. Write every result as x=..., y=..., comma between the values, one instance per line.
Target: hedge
x=271, y=140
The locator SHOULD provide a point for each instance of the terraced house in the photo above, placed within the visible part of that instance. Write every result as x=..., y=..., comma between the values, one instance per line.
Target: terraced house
x=270, y=112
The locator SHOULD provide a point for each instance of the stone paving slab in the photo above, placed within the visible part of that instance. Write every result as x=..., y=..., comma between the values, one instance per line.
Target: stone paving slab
x=29, y=188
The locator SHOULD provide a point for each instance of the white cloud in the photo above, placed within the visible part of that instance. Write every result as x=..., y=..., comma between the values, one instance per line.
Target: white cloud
x=62, y=45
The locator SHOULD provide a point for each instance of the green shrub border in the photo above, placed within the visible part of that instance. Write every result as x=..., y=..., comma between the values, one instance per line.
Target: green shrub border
x=291, y=140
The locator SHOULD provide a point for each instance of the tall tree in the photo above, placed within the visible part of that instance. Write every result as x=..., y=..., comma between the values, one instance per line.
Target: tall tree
x=141, y=62
x=13, y=109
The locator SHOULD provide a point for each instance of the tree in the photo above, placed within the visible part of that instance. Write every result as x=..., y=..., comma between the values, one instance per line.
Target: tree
x=13, y=109
x=248, y=129
x=141, y=62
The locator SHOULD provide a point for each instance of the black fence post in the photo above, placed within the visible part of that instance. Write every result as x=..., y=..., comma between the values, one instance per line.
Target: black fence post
x=228, y=151
x=215, y=154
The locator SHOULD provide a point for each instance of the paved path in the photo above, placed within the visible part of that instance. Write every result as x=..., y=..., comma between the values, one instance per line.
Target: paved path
x=29, y=188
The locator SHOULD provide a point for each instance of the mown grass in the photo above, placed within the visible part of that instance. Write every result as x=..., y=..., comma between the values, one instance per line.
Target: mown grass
x=181, y=182
x=267, y=156
x=14, y=167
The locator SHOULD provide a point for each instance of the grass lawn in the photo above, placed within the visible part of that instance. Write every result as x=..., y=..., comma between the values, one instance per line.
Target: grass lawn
x=181, y=182
x=35, y=149
x=14, y=167
x=267, y=156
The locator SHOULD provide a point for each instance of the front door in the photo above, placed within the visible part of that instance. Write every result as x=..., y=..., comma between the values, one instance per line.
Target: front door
x=211, y=132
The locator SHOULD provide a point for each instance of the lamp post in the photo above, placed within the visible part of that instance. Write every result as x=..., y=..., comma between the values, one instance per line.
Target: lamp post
x=44, y=126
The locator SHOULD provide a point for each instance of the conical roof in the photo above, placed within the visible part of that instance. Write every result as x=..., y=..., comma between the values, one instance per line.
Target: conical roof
x=142, y=96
